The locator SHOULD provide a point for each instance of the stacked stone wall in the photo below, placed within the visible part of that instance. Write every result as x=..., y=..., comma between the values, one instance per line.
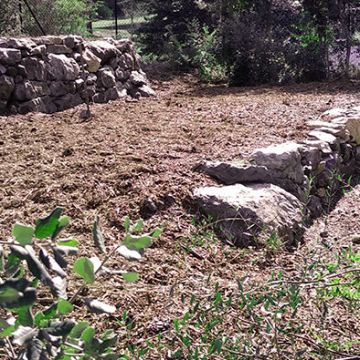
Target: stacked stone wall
x=276, y=190
x=53, y=73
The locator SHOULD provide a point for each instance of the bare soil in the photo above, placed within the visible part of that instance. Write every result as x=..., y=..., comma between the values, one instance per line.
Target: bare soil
x=132, y=152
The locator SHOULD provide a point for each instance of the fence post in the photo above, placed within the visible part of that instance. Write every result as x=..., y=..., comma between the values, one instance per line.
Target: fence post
x=116, y=19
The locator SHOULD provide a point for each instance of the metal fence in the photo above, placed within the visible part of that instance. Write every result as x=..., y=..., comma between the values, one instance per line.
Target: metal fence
x=46, y=17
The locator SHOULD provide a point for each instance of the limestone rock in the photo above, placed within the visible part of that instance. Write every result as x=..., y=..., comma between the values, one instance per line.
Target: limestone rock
x=333, y=114
x=137, y=78
x=10, y=56
x=103, y=50
x=146, y=91
x=323, y=136
x=60, y=88
x=72, y=40
x=7, y=86
x=126, y=62
x=353, y=127
x=2, y=70
x=248, y=215
x=40, y=104
x=92, y=61
x=60, y=67
x=39, y=50
x=106, y=77
x=67, y=101
x=30, y=89
x=34, y=69
x=284, y=157
x=230, y=173
x=58, y=49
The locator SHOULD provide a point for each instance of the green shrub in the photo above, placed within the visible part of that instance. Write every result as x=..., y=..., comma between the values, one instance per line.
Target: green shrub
x=38, y=258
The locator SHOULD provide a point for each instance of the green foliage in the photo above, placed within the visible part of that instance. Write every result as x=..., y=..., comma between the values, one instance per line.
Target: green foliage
x=48, y=332
x=60, y=17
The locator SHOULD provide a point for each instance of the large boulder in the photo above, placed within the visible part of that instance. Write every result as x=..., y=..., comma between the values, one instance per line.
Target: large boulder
x=7, y=86
x=249, y=215
x=60, y=67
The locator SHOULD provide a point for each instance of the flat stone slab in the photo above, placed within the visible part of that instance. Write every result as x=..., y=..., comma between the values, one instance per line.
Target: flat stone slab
x=284, y=157
x=230, y=173
x=249, y=215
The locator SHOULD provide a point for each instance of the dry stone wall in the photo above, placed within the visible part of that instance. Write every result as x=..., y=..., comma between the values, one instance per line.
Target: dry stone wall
x=278, y=188
x=49, y=74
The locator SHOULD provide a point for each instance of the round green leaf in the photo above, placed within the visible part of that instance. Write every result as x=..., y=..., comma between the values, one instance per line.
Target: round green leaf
x=64, y=307
x=23, y=234
x=85, y=268
x=8, y=295
x=48, y=226
x=131, y=277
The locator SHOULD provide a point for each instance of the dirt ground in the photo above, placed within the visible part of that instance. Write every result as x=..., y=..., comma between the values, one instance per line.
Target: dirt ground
x=133, y=152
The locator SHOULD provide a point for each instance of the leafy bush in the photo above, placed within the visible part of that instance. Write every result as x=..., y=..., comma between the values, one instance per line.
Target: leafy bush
x=49, y=332
x=59, y=17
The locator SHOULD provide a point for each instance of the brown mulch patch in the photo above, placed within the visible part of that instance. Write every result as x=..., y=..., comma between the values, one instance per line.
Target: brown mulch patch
x=133, y=152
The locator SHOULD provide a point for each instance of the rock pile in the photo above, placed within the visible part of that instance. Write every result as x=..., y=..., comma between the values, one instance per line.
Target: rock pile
x=276, y=188
x=52, y=73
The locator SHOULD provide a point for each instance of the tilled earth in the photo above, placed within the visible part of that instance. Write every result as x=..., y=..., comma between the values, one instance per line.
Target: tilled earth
x=136, y=159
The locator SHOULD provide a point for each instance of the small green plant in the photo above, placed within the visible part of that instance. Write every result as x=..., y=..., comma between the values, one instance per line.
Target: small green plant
x=37, y=257
x=274, y=244
x=205, y=42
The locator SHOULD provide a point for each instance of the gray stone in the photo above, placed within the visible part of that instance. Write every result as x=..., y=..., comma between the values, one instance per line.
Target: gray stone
x=12, y=71
x=10, y=56
x=39, y=50
x=67, y=101
x=24, y=43
x=240, y=173
x=146, y=91
x=3, y=106
x=30, y=89
x=91, y=79
x=48, y=40
x=103, y=50
x=248, y=215
x=284, y=157
x=106, y=77
x=58, y=49
x=112, y=93
x=41, y=104
x=333, y=114
x=92, y=61
x=137, y=78
x=2, y=70
x=58, y=88
x=61, y=67
x=323, y=146
x=34, y=69
x=126, y=62
x=353, y=127
x=124, y=45
x=323, y=136
x=122, y=75
x=7, y=86
x=72, y=40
